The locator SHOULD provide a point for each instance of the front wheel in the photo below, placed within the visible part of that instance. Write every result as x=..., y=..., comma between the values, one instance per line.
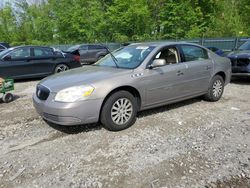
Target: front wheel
x=216, y=89
x=61, y=68
x=119, y=111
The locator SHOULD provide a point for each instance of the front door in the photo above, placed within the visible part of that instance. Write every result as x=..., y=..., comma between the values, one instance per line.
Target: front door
x=165, y=83
x=16, y=64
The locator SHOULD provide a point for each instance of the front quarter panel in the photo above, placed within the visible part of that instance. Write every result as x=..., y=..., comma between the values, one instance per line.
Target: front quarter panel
x=104, y=87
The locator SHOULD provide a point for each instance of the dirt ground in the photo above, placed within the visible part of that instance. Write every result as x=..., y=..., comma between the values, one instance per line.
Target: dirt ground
x=189, y=144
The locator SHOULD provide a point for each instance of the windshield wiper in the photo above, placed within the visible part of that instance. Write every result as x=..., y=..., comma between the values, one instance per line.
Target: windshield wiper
x=112, y=56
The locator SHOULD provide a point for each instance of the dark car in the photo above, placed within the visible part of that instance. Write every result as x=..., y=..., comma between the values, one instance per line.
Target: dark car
x=4, y=46
x=240, y=60
x=35, y=61
x=90, y=53
x=216, y=50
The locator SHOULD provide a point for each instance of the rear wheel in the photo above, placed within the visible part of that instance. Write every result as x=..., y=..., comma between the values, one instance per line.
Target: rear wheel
x=8, y=97
x=61, y=68
x=119, y=111
x=216, y=89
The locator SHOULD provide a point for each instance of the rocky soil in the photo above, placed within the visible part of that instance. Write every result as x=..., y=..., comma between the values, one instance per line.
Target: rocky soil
x=189, y=144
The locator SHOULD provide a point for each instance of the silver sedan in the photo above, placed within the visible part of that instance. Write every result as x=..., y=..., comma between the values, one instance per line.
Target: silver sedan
x=134, y=78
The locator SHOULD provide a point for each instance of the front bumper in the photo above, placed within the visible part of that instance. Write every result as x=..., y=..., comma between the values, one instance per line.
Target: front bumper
x=77, y=113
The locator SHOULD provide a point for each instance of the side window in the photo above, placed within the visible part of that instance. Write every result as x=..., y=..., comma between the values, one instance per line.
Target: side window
x=99, y=47
x=95, y=47
x=41, y=52
x=193, y=53
x=20, y=53
x=169, y=54
x=84, y=47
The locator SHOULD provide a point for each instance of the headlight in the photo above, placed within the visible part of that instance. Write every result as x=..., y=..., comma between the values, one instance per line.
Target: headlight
x=73, y=94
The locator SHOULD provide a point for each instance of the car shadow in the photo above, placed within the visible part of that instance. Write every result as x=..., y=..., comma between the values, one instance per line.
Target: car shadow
x=241, y=80
x=28, y=80
x=75, y=129
x=97, y=126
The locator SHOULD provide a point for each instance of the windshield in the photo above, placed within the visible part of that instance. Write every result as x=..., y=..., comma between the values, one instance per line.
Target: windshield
x=128, y=57
x=245, y=46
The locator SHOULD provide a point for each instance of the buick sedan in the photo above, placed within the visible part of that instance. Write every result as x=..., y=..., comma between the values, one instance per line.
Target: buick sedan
x=131, y=79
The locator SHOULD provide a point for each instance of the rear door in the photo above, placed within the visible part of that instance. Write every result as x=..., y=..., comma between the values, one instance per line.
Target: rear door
x=93, y=52
x=16, y=64
x=199, y=70
x=43, y=60
x=83, y=50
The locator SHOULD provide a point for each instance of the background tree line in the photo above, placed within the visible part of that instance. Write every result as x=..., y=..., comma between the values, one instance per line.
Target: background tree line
x=80, y=21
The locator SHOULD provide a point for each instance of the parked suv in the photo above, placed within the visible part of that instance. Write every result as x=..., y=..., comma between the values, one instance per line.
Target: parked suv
x=90, y=53
x=4, y=46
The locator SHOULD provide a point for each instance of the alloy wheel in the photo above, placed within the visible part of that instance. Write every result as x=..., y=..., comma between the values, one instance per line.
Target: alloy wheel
x=217, y=88
x=61, y=68
x=121, y=111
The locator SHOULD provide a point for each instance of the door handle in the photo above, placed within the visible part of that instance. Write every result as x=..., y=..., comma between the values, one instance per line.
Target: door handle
x=208, y=67
x=179, y=73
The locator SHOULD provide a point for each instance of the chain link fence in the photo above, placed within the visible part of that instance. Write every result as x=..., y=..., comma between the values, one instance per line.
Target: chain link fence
x=226, y=44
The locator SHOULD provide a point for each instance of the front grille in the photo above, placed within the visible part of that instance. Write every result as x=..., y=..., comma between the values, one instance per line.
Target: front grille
x=243, y=62
x=42, y=92
x=240, y=62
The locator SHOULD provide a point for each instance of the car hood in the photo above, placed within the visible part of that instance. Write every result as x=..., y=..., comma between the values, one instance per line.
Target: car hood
x=239, y=54
x=81, y=76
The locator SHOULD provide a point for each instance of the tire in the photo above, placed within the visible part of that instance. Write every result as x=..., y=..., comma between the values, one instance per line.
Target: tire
x=115, y=116
x=215, y=89
x=7, y=98
x=61, y=68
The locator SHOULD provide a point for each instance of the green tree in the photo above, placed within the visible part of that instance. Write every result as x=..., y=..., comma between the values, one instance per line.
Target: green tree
x=8, y=24
x=128, y=20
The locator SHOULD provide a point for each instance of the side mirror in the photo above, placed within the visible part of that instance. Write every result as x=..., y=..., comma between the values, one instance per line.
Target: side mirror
x=7, y=58
x=158, y=63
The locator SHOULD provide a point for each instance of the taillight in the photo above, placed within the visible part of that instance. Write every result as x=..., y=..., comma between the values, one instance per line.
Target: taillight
x=77, y=58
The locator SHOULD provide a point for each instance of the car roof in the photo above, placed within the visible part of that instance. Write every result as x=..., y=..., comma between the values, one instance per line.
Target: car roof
x=29, y=46
x=33, y=46
x=162, y=44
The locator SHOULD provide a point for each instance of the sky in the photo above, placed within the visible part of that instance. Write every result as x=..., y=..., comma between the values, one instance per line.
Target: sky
x=2, y=2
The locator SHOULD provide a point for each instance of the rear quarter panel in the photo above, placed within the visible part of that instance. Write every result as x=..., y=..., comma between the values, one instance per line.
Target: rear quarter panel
x=221, y=64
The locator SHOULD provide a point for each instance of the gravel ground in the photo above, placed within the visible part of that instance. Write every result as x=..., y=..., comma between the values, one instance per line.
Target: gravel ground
x=189, y=144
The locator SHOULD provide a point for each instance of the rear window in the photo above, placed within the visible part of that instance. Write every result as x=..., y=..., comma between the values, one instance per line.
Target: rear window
x=39, y=52
x=96, y=47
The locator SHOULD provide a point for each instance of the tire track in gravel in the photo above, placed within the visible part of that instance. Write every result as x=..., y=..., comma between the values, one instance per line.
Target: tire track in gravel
x=35, y=142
